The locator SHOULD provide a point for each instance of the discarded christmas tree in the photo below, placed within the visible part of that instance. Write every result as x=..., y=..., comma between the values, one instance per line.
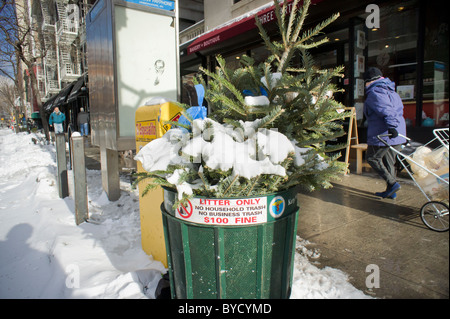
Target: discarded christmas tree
x=230, y=203
x=269, y=125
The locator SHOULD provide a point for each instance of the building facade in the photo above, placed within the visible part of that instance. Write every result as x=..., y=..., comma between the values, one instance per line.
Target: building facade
x=406, y=39
x=60, y=41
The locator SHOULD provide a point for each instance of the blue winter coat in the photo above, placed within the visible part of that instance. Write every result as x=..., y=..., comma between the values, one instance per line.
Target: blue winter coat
x=57, y=118
x=383, y=109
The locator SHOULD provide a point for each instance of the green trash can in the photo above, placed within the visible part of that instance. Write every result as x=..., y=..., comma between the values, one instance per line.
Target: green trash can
x=231, y=247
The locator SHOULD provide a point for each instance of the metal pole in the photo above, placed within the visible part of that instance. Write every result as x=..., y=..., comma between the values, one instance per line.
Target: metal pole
x=61, y=163
x=110, y=173
x=79, y=180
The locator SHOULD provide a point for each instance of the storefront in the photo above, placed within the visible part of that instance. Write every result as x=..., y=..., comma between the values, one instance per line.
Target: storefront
x=409, y=45
x=69, y=100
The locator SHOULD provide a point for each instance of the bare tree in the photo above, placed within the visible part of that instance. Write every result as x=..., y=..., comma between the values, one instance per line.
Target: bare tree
x=7, y=96
x=9, y=66
x=22, y=39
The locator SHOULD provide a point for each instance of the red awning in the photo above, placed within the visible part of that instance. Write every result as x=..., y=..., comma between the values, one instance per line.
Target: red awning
x=241, y=25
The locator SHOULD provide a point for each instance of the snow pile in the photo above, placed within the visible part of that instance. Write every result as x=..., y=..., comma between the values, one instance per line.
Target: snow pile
x=45, y=255
x=247, y=151
x=220, y=147
x=311, y=282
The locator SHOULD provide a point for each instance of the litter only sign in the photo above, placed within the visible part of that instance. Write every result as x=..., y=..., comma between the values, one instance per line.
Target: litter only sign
x=237, y=211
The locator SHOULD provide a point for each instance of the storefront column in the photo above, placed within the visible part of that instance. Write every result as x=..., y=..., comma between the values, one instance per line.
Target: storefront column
x=421, y=9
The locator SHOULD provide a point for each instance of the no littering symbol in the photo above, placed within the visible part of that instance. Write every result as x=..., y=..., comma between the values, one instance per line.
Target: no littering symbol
x=185, y=211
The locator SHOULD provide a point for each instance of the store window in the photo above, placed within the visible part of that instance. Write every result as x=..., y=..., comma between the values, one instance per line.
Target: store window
x=233, y=61
x=435, y=69
x=393, y=49
x=332, y=54
x=260, y=54
x=188, y=80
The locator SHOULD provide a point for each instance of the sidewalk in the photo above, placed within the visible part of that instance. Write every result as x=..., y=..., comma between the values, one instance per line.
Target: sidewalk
x=352, y=228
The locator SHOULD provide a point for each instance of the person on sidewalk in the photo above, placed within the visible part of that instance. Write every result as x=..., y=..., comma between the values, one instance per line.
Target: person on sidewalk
x=83, y=120
x=56, y=120
x=383, y=109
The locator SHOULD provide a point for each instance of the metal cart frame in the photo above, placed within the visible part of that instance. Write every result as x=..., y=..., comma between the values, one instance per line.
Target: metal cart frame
x=434, y=213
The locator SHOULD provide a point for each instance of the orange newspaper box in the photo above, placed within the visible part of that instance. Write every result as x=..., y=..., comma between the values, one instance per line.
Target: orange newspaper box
x=150, y=125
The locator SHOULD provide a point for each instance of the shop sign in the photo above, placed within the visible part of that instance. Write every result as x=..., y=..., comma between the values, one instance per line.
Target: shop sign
x=238, y=27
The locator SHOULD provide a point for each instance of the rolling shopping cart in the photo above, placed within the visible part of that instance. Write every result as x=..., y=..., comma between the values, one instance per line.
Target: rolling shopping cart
x=427, y=165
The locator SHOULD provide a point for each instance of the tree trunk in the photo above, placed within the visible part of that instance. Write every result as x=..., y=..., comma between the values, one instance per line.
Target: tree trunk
x=37, y=94
x=16, y=119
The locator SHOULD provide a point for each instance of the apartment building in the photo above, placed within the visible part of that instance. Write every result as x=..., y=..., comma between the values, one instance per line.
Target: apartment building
x=59, y=39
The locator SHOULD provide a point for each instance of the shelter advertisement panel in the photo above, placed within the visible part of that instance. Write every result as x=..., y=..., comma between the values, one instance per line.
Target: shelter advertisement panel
x=133, y=57
x=146, y=62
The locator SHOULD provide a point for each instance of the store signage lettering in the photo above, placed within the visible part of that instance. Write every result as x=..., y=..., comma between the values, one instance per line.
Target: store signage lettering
x=267, y=17
x=205, y=44
x=245, y=211
x=270, y=16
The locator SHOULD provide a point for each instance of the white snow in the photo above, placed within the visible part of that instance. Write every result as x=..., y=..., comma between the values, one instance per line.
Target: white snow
x=274, y=78
x=43, y=254
x=221, y=147
x=164, y=151
x=256, y=100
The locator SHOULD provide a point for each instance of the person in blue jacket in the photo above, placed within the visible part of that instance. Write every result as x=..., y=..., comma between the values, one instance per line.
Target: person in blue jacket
x=56, y=120
x=383, y=109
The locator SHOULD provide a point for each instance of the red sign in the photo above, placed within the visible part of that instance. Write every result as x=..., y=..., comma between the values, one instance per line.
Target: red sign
x=240, y=26
x=241, y=211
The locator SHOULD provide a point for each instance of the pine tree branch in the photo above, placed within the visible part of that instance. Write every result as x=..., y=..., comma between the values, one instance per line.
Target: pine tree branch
x=271, y=117
x=292, y=19
x=301, y=20
x=230, y=185
x=318, y=28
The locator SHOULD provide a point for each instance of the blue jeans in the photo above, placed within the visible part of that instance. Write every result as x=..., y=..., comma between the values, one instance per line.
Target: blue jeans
x=84, y=130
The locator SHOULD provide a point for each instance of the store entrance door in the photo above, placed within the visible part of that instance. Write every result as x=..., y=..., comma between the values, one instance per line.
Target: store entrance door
x=333, y=54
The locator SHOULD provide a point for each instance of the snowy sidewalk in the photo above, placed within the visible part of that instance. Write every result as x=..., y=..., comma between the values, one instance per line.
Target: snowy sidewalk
x=43, y=254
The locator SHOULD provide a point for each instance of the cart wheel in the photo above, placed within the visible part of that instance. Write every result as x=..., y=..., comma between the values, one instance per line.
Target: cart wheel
x=435, y=216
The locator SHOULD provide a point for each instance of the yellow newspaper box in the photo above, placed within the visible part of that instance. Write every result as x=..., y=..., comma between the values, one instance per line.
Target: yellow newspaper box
x=150, y=125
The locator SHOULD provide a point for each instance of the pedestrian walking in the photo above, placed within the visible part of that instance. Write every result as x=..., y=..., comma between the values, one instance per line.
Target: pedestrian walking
x=383, y=109
x=83, y=120
x=57, y=119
